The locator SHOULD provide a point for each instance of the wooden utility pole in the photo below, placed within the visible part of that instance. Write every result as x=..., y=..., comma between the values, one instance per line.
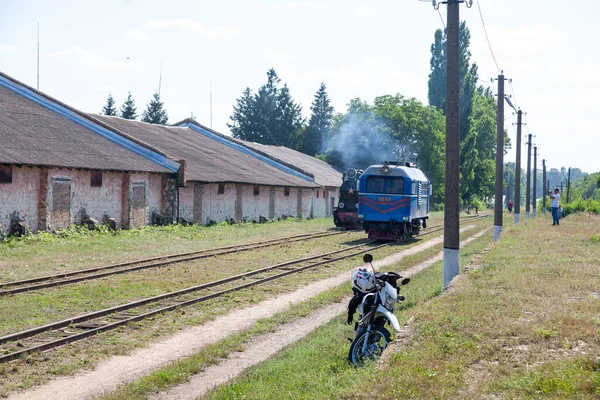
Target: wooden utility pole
x=499, y=159
x=546, y=188
x=534, y=194
x=528, y=193
x=452, y=195
x=517, y=201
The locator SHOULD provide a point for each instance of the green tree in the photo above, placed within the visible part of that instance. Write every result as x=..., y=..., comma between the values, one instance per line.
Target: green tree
x=270, y=116
x=319, y=124
x=128, y=109
x=109, y=108
x=155, y=112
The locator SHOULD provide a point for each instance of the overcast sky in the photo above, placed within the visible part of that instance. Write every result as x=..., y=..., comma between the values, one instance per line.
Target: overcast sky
x=358, y=48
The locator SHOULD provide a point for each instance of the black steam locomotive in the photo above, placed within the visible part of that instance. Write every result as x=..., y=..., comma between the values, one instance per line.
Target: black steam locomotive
x=345, y=215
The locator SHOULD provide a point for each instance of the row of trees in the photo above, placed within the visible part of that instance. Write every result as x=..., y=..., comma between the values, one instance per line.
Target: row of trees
x=271, y=116
x=393, y=127
x=154, y=113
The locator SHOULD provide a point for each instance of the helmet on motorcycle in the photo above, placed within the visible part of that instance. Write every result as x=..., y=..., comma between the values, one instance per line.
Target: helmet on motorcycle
x=363, y=280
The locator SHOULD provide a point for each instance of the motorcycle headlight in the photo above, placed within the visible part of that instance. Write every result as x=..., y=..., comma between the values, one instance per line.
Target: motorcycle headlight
x=389, y=303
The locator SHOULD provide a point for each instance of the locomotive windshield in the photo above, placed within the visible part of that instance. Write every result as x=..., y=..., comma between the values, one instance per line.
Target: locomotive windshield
x=389, y=185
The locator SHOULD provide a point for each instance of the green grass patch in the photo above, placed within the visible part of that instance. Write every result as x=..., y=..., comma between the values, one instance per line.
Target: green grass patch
x=316, y=367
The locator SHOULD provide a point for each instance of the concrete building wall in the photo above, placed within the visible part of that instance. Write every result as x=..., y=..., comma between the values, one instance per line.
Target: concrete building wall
x=319, y=203
x=255, y=206
x=20, y=198
x=52, y=199
x=95, y=202
x=186, y=202
x=218, y=207
x=307, y=203
x=285, y=205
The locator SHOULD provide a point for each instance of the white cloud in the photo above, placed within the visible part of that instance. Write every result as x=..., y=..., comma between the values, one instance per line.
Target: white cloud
x=88, y=57
x=4, y=48
x=153, y=28
x=373, y=61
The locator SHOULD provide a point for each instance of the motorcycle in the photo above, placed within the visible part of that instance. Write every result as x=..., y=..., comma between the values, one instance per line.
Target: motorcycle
x=374, y=296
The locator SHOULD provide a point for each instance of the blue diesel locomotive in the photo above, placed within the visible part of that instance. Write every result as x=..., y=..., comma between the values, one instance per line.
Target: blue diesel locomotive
x=393, y=201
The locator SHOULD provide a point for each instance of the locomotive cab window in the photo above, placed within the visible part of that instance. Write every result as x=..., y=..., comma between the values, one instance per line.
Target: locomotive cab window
x=394, y=186
x=375, y=184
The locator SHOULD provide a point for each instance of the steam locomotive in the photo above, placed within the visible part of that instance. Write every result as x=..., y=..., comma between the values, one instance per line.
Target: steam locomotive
x=346, y=213
x=394, y=200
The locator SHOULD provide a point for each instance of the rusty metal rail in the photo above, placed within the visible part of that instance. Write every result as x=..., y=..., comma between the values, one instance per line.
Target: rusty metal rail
x=138, y=265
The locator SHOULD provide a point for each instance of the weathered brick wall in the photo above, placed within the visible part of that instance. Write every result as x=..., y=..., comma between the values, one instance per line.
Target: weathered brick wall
x=186, y=202
x=21, y=197
x=254, y=207
x=285, y=205
x=198, y=201
x=169, y=198
x=218, y=207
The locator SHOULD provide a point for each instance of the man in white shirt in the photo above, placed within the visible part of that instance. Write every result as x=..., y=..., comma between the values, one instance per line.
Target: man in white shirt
x=554, y=205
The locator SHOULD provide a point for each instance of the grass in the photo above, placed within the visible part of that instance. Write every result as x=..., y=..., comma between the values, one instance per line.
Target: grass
x=60, y=302
x=523, y=325
x=180, y=371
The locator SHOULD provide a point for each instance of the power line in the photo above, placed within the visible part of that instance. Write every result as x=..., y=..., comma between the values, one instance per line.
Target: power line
x=486, y=36
x=441, y=18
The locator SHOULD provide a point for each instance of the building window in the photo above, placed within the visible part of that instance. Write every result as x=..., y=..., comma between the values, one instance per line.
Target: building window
x=221, y=188
x=5, y=173
x=286, y=191
x=317, y=194
x=256, y=190
x=96, y=178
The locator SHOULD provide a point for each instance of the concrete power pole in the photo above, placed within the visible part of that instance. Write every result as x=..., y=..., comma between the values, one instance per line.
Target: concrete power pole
x=534, y=194
x=518, y=170
x=527, y=194
x=452, y=196
x=545, y=188
x=499, y=159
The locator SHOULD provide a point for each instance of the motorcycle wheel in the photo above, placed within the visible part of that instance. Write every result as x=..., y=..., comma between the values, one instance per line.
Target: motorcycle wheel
x=378, y=341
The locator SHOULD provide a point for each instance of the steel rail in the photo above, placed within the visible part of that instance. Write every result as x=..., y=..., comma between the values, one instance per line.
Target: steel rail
x=55, y=280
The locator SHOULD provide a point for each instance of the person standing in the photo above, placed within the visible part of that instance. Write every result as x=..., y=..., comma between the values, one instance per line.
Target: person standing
x=555, y=197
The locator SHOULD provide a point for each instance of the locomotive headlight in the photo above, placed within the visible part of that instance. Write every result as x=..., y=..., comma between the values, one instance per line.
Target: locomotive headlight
x=341, y=205
x=405, y=218
x=360, y=216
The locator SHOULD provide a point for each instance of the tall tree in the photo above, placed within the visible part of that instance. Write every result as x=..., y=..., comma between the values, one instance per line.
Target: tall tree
x=319, y=124
x=109, y=108
x=269, y=117
x=155, y=112
x=128, y=109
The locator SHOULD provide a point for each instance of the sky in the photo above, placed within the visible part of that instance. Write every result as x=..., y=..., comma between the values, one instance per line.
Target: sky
x=90, y=48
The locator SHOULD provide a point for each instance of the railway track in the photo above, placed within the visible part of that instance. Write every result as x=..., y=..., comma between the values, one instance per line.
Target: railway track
x=77, y=328
x=65, y=278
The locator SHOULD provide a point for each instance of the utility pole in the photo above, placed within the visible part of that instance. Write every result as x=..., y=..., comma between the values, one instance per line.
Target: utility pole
x=534, y=196
x=452, y=178
x=568, y=184
x=527, y=198
x=499, y=159
x=518, y=170
x=561, y=186
x=452, y=181
x=507, y=188
x=546, y=188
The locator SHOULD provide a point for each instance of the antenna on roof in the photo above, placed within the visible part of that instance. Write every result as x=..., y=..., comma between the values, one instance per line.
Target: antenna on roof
x=38, y=56
x=210, y=100
x=160, y=78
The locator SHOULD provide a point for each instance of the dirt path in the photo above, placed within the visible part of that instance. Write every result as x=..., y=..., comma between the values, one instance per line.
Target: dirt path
x=264, y=346
x=121, y=369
